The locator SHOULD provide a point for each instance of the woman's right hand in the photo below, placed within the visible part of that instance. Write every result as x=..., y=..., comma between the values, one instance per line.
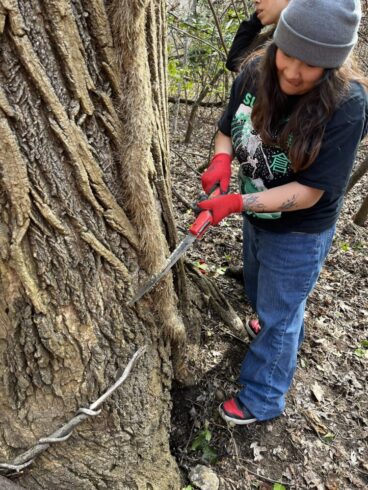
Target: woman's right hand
x=222, y=206
x=218, y=173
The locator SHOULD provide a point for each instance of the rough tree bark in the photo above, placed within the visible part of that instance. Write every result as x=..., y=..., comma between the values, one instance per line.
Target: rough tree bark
x=361, y=216
x=358, y=174
x=85, y=215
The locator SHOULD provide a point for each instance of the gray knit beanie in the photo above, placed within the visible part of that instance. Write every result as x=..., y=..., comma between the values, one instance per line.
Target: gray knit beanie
x=319, y=32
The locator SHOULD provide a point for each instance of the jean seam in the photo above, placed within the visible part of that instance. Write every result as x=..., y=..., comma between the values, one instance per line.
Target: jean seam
x=273, y=367
x=317, y=256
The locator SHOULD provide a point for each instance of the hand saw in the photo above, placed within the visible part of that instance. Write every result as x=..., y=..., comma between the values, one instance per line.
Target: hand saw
x=196, y=231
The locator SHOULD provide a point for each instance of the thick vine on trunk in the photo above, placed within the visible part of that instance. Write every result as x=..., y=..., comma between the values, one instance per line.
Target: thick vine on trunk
x=85, y=215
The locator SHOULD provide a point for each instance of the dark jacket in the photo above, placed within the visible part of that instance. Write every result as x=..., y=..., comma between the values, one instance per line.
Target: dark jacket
x=247, y=32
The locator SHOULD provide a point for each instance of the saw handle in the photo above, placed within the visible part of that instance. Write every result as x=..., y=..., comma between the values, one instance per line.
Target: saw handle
x=204, y=219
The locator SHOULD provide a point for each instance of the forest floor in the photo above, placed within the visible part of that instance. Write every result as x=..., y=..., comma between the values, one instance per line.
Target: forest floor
x=321, y=441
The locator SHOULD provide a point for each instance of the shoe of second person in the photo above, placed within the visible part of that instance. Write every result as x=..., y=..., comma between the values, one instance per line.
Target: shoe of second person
x=253, y=328
x=234, y=411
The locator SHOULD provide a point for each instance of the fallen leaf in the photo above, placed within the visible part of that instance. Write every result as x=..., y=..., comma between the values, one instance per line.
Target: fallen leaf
x=312, y=478
x=318, y=392
x=315, y=422
x=257, y=450
x=332, y=485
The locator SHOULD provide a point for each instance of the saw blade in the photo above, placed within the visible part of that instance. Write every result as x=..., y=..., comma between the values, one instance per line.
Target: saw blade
x=173, y=258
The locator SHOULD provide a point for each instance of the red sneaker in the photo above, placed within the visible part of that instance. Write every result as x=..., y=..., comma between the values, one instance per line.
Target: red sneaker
x=234, y=411
x=253, y=328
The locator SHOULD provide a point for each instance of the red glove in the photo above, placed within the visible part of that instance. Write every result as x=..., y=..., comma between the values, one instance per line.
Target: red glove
x=219, y=172
x=222, y=206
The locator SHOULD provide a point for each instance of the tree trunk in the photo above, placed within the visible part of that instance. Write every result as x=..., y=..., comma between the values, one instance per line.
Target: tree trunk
x=358, y=174
x=85, y=215
x=361, y=217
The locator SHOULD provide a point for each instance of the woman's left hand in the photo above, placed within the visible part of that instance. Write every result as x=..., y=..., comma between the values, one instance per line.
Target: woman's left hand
x=222, y=206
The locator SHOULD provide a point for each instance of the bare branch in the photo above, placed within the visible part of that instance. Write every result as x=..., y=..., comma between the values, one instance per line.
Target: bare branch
x=218, y=26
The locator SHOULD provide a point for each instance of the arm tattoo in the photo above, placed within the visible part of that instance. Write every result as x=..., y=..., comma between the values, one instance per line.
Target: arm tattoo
x=251, y=203
x=289, y=203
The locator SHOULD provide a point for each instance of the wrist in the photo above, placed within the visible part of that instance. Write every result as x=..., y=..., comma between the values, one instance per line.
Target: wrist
x=246, y=203
x=238, y=203
x=223, y=157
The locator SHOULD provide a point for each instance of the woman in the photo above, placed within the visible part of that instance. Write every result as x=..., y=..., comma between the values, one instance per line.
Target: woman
x=248, y=37
x=294, y=121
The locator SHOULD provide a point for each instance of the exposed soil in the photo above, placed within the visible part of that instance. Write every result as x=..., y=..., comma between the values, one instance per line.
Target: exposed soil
x=321, y=441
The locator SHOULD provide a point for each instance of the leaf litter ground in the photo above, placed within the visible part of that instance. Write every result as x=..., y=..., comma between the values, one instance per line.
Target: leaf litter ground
x=321, y=441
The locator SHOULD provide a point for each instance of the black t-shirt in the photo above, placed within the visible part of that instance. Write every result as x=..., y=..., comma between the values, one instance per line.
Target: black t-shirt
x=264, y=167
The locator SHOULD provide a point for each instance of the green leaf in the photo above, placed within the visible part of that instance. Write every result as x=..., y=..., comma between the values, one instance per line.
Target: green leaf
x=344, y=246
x=209, y=455
x=329, y=437
x=278, y=486
x=362, y=353
x=364, y=343
x=188, y=487
x=201, y=440
x=207, y=435
x=197, y=443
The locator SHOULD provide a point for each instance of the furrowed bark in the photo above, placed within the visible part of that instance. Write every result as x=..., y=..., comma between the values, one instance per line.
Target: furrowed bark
x=85, y=216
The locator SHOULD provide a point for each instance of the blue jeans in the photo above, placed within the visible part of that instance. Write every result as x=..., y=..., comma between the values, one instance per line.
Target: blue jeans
x=280, y=271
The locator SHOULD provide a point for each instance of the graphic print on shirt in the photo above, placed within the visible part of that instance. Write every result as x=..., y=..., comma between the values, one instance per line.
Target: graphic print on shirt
x=261, y=166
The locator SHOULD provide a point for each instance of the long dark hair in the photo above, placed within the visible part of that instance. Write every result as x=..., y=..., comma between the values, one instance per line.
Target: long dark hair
x=299, y=129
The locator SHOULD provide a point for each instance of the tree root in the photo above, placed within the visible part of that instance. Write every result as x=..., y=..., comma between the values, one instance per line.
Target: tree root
x=201, y=294
x=217, y=301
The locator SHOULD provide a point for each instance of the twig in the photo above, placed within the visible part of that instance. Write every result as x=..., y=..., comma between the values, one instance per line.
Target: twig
x=182, y=199
x=196, y=154
x=196, y=28
x=332, y=402
x=235, y=337
x=207, y=87
x=235, y=445
x=361, y=471
x=189, y=438
x=185, y=162
x=246, y=8
x=265, y=478
x=205, y=165
x=200, y=40
x=180, y=100
x=235, y=10
x=218, y=26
